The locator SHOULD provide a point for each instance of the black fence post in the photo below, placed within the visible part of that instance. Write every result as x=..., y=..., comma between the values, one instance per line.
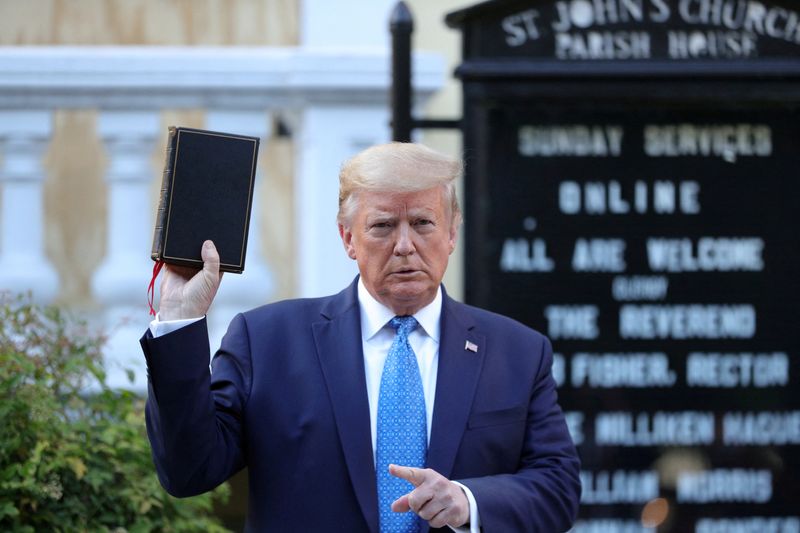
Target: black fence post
x=401, y=25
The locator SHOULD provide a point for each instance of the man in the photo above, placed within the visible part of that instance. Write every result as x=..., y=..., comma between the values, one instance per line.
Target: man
x=350, y=414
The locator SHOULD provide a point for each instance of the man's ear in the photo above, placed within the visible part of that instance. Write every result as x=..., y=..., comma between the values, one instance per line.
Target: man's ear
x=453, y=237
x=347, y=241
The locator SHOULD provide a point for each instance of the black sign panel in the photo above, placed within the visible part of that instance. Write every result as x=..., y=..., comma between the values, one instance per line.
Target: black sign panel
x=659, y=248
x=632, y=192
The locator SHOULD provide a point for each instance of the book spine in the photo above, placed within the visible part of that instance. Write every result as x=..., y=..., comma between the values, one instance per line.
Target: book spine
x=163, y=202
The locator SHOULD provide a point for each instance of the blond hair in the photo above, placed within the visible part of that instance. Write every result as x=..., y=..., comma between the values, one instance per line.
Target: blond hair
x=397, y=167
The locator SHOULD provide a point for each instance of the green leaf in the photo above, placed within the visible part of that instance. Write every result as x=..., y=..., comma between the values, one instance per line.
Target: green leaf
x=78, y=466
x=7, y=509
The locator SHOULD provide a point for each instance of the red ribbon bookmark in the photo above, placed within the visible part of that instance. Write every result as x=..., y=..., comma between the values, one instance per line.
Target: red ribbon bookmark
x=151, y=289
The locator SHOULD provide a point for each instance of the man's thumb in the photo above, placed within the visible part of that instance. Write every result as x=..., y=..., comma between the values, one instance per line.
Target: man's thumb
x=210, y=258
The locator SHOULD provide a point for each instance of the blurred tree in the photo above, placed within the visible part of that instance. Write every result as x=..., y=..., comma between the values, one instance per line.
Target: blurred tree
x=73, y=452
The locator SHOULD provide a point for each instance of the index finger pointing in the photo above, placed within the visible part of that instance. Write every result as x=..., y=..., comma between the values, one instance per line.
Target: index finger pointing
x=415, y=476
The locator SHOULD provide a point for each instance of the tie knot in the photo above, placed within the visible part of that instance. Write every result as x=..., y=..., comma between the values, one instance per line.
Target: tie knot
x=404, y=325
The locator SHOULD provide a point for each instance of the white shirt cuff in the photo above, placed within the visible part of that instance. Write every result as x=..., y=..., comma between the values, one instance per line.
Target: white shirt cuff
x=474, y=517
x=162, y=327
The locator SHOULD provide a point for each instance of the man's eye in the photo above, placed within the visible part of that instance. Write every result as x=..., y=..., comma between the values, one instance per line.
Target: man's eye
x=381, y=225
x=424, y=222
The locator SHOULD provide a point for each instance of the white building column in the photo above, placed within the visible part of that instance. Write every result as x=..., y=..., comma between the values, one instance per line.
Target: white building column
x=325, y=137
x=239, y=292
x=362, y=23
x=24, y=136
x=120, y=282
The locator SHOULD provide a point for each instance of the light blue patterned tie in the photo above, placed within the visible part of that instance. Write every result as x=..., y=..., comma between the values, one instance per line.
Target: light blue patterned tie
x=402, y=427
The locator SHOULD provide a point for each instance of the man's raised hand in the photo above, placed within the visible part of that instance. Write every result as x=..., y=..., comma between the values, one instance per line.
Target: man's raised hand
x=188, y=292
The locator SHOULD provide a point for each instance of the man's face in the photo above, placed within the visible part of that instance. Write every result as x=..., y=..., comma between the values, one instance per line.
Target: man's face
x=401, y=242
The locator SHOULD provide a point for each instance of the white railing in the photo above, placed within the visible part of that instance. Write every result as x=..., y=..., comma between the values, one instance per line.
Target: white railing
x=335, y=102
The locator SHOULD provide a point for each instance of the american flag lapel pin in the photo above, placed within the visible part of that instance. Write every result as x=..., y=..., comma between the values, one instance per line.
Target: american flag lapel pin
x=471, y=346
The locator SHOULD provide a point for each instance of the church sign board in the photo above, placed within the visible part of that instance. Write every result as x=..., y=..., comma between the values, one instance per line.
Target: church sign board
x=632, y=190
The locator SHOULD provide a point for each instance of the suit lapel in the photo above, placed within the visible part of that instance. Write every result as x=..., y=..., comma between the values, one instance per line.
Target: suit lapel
x=456, y=382
x=338, y=342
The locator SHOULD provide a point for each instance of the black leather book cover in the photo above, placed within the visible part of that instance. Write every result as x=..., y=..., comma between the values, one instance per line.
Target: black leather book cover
x=207, y=193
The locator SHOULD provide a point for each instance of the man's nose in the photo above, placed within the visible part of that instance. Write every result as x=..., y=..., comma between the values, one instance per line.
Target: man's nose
x=404, y=245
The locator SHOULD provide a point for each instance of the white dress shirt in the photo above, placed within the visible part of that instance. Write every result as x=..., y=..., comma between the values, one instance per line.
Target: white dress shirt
x=377, y=336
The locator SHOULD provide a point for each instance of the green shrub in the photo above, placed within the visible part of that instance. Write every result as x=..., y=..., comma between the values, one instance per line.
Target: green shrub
x=73, y=452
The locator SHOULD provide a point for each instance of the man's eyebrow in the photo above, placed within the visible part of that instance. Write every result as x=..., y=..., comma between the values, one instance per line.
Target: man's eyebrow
x=380, y=214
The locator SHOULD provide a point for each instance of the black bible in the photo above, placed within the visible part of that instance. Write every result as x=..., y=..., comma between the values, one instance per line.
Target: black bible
x=206, y=193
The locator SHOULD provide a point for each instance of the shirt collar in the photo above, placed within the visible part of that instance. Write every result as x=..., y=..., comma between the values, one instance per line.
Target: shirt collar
x=375, y=315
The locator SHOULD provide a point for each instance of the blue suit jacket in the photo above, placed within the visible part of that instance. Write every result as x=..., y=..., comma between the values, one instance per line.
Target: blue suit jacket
x=287, y=398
